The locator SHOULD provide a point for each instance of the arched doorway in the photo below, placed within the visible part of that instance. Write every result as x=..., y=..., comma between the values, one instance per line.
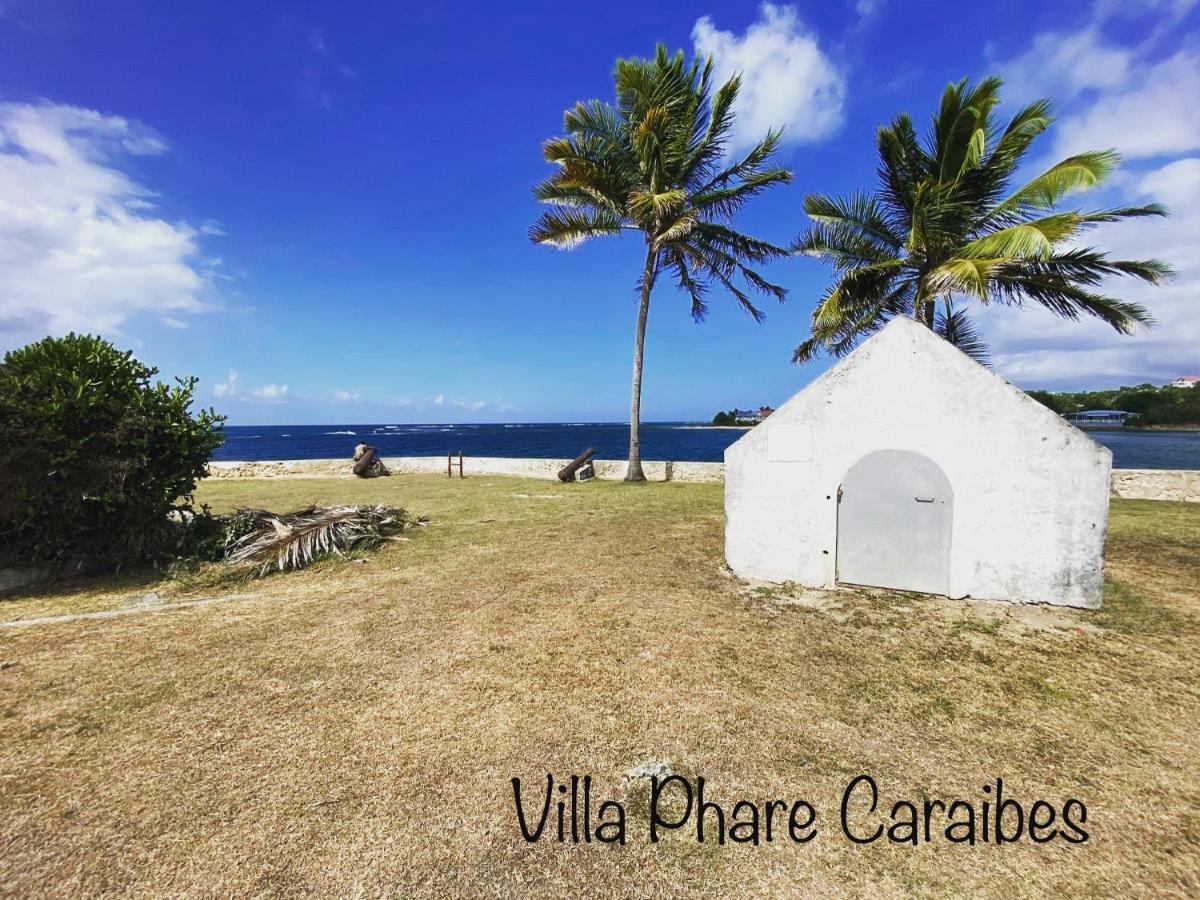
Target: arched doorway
x=895, y=510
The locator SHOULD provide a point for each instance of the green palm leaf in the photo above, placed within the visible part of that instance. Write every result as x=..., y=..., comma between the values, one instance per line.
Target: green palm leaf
x=943, y=226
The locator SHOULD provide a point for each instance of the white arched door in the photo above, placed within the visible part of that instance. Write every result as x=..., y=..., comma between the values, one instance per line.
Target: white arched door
x=895, y=510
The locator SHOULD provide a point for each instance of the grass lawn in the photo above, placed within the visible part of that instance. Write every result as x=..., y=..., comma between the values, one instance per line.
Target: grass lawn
x=353, y=729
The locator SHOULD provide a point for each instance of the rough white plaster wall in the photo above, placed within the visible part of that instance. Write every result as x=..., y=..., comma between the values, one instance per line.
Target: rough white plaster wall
x=1030, y=491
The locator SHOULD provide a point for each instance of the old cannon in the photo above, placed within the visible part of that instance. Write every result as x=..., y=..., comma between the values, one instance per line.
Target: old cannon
x=580, y=466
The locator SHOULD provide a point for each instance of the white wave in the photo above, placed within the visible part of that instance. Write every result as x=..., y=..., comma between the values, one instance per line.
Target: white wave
x=340, y=432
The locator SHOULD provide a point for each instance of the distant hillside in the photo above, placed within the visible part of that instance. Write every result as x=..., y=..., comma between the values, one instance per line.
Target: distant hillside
x=1151, y=405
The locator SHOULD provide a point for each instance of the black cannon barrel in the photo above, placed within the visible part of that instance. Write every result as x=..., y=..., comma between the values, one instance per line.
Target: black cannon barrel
x=365, y=462
x=567, y=472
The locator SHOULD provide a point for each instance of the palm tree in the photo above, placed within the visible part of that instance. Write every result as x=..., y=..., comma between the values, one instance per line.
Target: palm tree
x=655, y=163
x=943, y=227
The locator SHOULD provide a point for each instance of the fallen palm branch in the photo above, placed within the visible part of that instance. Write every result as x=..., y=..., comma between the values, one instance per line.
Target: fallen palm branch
x=261, y=538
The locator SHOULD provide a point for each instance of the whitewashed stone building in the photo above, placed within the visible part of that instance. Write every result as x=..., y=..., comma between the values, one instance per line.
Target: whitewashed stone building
x=910, y=466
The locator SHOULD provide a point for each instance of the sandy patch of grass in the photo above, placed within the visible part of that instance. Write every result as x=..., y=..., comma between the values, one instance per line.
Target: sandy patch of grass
x=354, y=730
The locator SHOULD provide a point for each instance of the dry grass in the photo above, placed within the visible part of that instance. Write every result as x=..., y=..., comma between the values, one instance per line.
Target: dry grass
x=354, y=728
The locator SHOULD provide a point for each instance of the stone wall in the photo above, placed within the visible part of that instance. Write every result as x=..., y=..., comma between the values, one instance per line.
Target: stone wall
x=1157, y=484
x=473, y=465
x=1132, y=484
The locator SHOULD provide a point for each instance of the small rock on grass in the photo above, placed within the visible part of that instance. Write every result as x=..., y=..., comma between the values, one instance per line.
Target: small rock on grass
x=654, y=768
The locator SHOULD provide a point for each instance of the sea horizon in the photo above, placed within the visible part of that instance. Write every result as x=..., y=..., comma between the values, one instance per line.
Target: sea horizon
x=679, y=440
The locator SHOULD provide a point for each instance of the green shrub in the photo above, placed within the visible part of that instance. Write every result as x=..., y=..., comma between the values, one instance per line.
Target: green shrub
x=94, y=455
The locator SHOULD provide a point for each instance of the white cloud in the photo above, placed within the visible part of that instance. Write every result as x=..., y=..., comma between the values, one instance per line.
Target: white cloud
x=787, y=81
x=439, y=400
x=269, y=393
x=472, y=405
x=228, y=387
x=1061, y=65
x=80, y=247
x=347, y=397
x=1150, y=114
x=1109, y=93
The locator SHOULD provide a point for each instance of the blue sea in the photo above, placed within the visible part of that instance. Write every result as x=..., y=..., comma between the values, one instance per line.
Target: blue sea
x=660, y=440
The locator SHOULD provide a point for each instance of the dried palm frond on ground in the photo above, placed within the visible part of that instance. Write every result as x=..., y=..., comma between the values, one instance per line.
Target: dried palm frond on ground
x=293, y=540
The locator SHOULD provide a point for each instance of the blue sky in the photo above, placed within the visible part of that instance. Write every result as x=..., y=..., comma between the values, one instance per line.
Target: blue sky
x=321, y=208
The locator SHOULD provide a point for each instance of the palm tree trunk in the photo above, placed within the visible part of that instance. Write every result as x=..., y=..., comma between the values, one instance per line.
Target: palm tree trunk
x=634, y=472
x=923, y=305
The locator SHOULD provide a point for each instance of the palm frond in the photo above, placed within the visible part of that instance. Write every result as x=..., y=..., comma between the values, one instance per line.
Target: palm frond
x=956, y=326
x=294, y=540
x=566, y=227
x=946, y=226
x=1075, y=173
x=860, y=212
x=653, y=161
x=1032, y=239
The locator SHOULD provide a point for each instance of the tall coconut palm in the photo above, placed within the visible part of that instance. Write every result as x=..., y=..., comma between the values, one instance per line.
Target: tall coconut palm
x=655, y=164
x=944, y=228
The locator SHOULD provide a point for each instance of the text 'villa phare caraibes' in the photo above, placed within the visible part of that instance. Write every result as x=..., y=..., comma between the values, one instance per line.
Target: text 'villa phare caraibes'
x=568, y=812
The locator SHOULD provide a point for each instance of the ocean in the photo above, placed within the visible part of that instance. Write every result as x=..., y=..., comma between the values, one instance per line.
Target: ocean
x=660, y=440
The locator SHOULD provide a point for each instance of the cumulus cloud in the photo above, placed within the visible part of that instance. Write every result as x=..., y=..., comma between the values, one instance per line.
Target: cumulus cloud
x=1062, y=65
x=80, y=246
x=269, y=393
x=1151, y=114
x=228, y=387
x=787, y=80
x=347, y=397
x=1111, y=94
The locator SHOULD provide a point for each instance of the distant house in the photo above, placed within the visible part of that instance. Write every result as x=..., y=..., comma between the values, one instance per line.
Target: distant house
x=1186, y=381
x=752, y=416
x=1098, y=418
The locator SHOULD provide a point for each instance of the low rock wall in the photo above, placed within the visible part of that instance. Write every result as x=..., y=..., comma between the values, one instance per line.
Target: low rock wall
x=610, y=469
x=1132, y=484
x=1157, y=484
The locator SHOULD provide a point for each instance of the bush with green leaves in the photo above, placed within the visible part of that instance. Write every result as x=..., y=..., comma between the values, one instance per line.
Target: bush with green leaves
x=95, y=455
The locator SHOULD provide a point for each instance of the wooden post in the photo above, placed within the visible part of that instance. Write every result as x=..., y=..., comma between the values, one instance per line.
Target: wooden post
x=460, y=461
x=449, y=464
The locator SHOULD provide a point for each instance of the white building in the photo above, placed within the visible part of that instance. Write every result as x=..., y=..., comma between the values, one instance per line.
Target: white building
x=910, y=466
x=1186, y=381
